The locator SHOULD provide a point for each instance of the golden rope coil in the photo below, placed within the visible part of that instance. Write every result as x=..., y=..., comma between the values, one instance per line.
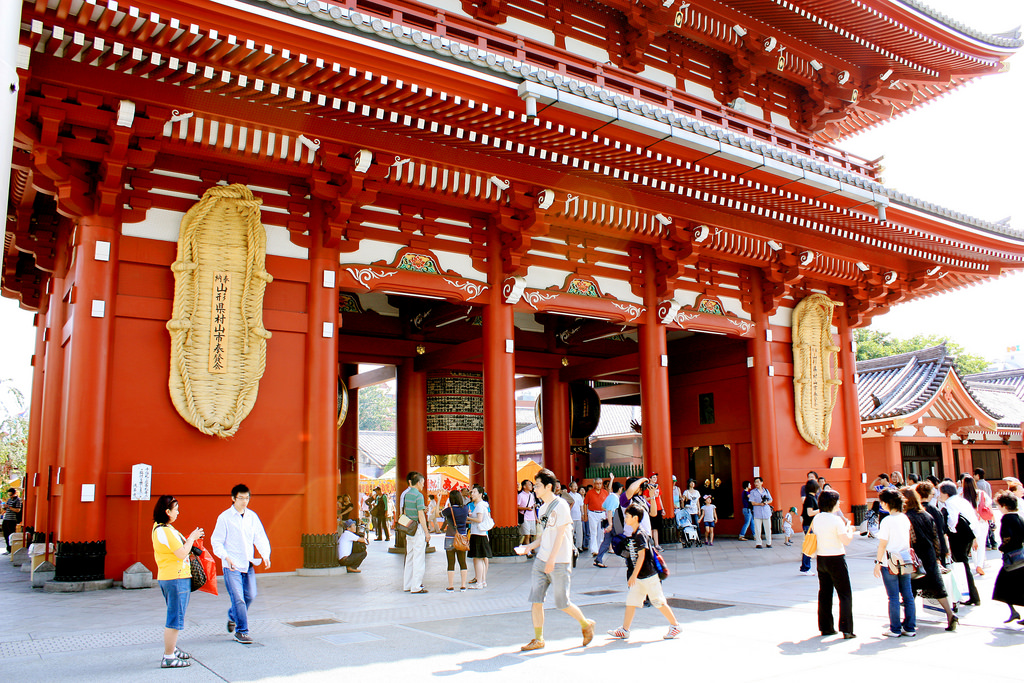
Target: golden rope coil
x=220, y=237
x=815, y=367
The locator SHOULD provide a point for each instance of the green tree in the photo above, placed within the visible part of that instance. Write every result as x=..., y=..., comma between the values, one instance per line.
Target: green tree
x=377, y=409
x=874, y=344
x=13, y=433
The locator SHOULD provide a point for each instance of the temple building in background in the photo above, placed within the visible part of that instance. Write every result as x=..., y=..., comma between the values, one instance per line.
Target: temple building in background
x=222, y=210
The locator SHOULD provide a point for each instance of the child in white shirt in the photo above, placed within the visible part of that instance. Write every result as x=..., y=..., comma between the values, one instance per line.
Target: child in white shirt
x=787, y=525
x=709, y=516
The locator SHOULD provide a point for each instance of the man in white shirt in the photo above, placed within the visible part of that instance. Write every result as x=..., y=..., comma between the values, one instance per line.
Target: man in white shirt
x=351, y=548
x=553, y=566
x=238, y=534
x=576, y=512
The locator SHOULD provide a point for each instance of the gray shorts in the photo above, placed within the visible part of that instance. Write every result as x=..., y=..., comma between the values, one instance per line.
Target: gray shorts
x=558, y=579
x=528, y=528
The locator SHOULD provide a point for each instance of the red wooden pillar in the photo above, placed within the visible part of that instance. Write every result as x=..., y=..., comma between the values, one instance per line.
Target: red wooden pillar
x=656, y=419
x=894, y=455
x=762, y=393
x=412, y=425
x=52, y=391
x=321, y=386
x=32, y=460
x=854, y=442
x=87, y=372
x=555, y=417
x=348, y=442
x=499, y=396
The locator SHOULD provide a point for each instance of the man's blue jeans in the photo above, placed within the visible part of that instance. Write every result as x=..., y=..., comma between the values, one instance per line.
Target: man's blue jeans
x=242, y=591
x=606, y=544
x=896, y=586
x=748, y=522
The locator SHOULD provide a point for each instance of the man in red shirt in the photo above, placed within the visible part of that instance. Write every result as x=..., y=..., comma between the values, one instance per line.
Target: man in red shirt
x=593, y=502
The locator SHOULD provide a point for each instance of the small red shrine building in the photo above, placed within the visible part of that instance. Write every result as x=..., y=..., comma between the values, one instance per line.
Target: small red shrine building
x=919, y=415
x=477, y=195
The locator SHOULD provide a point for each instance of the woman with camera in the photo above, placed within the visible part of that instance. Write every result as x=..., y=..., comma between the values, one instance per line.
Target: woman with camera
x=174, y=575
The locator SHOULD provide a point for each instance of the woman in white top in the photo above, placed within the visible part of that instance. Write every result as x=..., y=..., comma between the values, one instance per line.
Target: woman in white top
x=833, y=534
x=479, y=542
x=894, y=552
x=977, y=498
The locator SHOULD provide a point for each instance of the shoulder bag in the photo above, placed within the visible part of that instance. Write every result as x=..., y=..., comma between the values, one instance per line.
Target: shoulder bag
x=487, y=523
x=1013, y=560
x=408, y=525
x=984, y=509
x=810, y=546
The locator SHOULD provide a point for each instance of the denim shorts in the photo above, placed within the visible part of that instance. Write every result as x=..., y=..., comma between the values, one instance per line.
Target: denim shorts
x=558, y=579
x=176, y=594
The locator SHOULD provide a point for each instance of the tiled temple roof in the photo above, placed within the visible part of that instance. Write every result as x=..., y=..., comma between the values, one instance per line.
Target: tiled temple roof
x=906, y=383
x=1011, y=39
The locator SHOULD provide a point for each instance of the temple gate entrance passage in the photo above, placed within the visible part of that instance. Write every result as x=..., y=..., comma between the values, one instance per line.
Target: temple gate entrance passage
x=711, y=467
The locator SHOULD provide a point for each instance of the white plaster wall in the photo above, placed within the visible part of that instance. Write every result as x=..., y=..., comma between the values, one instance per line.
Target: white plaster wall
x=733, y=306
x=659, y=76
x=754, y=110
x=781, y=120
x=578, y=47
x=461, y=264
x=699, y=90
x=164, y=225
x=617, y=289
x=909, y=430
x=370, y=251
x=526, y=30
x=685, y=297
x=932, y=430
x=782, y=317
x=450, y=6
x=542, y=278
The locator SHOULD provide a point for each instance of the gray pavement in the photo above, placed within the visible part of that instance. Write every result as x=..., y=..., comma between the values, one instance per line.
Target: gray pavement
x=744, y=612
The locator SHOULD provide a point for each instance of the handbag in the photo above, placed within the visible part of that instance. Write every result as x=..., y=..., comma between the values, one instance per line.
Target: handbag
x=199, y=577
x=810, y=546
x=918, y=571
x=459, y=541
x=408, y=525
x=487, y=523
x=210, y=567
x=899, y=565
x=1013, y=560
x=984, y=509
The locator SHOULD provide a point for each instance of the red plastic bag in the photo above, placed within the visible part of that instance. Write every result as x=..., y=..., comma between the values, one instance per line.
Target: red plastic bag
x=209, y=566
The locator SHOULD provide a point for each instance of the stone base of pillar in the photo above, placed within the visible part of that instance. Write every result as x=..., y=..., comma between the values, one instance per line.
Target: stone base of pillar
x=77, y=586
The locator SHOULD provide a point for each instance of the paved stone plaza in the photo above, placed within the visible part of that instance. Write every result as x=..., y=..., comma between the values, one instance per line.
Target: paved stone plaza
x=745, y=613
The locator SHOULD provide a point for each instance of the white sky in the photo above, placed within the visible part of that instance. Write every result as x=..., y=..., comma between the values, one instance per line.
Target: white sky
x=962, y=152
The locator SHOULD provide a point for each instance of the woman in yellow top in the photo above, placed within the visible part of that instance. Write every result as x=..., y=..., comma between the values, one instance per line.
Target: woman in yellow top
x=174, y=575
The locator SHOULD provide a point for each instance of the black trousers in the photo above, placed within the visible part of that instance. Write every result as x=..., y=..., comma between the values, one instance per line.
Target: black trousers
x=833, y=574
x=9, y=529
x=356, y=558
x=380, y=521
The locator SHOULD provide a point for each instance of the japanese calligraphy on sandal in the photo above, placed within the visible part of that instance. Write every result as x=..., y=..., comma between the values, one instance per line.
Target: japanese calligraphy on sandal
x=218, y=342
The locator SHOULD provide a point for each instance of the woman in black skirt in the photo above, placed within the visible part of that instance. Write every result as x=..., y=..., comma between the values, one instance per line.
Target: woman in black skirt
x=1009, y=586
x=479, y=542
x=924, y=540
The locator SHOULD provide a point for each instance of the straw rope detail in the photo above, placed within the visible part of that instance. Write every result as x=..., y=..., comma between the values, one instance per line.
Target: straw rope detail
x=815, y=366
x=221, y=245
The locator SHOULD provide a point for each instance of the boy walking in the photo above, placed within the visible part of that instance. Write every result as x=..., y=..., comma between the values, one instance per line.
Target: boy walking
x=641, y=577
x=552, y=567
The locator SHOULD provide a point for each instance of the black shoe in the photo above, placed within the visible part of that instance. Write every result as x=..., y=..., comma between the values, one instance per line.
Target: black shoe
x=231, y=626
x=828, y=633
x=848, y=636
x=951, y=624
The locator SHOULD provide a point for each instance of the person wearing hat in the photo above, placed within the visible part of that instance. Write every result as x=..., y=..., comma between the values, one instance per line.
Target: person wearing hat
x=351, y=548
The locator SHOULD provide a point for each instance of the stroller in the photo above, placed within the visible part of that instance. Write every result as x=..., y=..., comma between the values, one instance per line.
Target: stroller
x=688, y=534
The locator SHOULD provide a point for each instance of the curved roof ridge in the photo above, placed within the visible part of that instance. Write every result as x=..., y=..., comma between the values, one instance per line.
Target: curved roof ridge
x=1010, y=38
x=900, y=359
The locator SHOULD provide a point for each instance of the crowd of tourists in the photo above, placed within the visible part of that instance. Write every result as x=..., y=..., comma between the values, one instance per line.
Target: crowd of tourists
x=924, y=530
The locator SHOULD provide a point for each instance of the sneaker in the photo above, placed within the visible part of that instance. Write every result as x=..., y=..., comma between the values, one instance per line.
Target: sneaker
x=806, y=573
x=243, y=638
x=890, y=634
x=619, y=633
x=231, y=627
x=909, y=634
x=673, y=632
x=757, y=547
x=535, y=644
x=588, y=632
